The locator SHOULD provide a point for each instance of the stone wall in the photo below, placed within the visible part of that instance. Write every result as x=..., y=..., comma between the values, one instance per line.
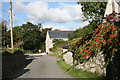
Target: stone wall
x=95, y=64
x=68, y=58
x=12, y=63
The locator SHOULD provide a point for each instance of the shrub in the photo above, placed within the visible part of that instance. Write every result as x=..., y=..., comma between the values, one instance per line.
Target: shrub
x=18, y=52
x=6, y=53
x=35, y=51
x=105, y=38
x=51, y=49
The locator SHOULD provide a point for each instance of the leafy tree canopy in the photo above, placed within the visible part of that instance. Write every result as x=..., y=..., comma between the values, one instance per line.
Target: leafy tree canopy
x=32, y=36
x=93, y=10
x=84, y=31
x=28, y=36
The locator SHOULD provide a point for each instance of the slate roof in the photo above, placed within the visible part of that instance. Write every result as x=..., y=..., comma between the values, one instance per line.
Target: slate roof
x=59, y=34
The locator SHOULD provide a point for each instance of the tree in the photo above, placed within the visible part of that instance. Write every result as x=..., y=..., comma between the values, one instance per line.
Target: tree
x=57, y=45
x=0, y=35
x=30, y=36
x=84, y=31
x=8, y=38
x=4, y=33
x=93, y=10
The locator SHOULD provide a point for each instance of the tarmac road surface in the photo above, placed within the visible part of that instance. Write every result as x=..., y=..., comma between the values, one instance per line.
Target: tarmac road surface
x=44, y=66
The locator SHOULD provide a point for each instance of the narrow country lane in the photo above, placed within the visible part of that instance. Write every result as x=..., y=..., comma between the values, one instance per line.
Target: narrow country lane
x=44, y=67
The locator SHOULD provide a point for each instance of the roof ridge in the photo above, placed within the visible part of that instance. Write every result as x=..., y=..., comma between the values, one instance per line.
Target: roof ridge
x=61, y=30
x=59, y=34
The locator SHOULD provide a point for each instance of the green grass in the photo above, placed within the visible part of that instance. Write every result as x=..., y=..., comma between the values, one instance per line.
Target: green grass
x=77, y=73
x=56, y=54
x=10, y=50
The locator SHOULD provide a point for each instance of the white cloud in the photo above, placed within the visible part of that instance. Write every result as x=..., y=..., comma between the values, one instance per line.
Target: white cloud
x=67, y=27
x=19, y=6
x=0, y=16
x=39, y=12
x=57, y=27
x=83, y=24
x=0, y=19
x=73, y=10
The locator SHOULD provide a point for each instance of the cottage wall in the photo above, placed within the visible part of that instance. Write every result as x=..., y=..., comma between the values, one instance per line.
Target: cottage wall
x=112, y=6
x=49, y=43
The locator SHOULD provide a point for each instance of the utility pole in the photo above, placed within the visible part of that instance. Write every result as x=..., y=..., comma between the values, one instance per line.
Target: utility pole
x=11, y=24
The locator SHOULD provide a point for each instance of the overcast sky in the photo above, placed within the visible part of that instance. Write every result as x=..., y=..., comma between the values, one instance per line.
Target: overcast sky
x=56, y=15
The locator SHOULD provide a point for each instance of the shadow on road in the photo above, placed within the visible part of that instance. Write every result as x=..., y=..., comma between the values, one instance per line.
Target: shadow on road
x=22, y=71
x=28, y=61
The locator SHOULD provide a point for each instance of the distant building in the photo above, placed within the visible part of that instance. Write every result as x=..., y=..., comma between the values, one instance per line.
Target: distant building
x=51, y=35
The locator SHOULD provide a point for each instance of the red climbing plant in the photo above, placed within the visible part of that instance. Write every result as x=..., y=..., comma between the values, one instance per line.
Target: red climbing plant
x=105, y=38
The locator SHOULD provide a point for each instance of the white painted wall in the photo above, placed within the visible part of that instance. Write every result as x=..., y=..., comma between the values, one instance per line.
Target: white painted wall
x=48, y=42
x=110, y=8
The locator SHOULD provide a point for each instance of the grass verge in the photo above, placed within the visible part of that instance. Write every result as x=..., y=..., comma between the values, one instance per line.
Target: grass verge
x=56, y=54
x=77, y=73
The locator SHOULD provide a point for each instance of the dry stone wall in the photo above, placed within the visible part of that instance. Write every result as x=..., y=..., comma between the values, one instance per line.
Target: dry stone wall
x=68, y=58
x=95, y=64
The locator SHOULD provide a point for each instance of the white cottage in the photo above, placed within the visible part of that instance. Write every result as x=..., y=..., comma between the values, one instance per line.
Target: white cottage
x=51, y=35
x=112, y=5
